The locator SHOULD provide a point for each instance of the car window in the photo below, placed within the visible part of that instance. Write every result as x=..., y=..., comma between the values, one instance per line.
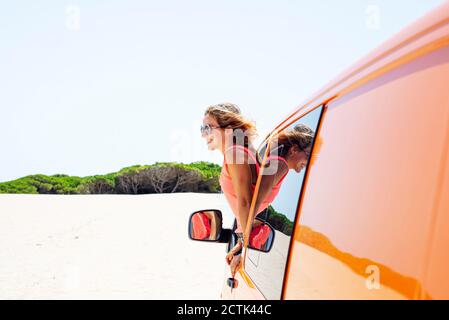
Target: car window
x=294, y=144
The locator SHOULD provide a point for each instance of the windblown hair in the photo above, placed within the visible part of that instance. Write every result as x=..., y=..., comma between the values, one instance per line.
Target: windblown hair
x=300, y=135
x=229, y=116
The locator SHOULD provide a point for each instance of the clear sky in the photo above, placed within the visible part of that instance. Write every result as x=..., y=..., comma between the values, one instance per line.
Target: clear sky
x=88, y=87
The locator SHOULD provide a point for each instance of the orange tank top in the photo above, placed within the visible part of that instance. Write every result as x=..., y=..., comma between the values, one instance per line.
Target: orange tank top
x=228, y=188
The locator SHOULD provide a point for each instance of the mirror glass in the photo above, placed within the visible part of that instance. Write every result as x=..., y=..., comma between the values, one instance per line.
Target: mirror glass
x=262, y=236
x=205, y=225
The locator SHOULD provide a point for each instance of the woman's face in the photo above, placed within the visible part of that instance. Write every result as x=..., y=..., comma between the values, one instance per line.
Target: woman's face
x=215, y=138
x=297, y=158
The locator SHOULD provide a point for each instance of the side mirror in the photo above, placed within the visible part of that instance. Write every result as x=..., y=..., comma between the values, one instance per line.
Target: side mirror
x=262, y=236
x=207, y=225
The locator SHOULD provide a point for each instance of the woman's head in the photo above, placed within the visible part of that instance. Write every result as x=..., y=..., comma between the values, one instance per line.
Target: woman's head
x=294, y=145
x=223, y=116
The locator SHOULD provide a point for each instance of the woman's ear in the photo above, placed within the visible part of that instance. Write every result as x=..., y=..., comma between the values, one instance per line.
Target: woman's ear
x=293, y=149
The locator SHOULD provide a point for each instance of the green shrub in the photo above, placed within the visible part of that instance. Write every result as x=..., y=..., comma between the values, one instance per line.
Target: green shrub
x=279, y=221
x=137, y=179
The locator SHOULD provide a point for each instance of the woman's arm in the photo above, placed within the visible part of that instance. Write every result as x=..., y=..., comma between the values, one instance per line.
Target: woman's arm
x=242, y=182
x=269, y=181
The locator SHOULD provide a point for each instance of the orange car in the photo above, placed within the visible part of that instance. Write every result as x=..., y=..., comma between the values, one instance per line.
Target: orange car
x=369, y=216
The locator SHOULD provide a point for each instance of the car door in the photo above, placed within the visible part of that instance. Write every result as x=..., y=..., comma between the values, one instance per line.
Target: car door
x=374, y=192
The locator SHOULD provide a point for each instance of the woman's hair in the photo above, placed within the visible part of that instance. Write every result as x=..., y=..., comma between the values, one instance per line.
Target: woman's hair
x=300, y=135
x=228, y=116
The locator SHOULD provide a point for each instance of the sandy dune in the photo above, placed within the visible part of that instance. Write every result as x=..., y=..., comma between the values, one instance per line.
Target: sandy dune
x=107, y=247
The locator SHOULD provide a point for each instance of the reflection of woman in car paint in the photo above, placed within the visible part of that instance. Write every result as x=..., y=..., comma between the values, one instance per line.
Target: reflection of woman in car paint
x=290, y=150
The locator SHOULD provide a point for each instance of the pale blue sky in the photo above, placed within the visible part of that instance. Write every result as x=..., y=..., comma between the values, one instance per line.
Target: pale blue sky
x=130, y=84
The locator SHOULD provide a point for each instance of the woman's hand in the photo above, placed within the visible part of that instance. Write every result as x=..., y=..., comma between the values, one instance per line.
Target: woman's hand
x=235, y=264
x=233, y=252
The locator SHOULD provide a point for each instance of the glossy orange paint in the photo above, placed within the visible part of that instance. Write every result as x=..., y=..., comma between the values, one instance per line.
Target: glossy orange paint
x=373, y=215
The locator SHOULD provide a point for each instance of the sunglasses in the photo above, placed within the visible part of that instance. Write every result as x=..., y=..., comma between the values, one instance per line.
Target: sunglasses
x=207, y=129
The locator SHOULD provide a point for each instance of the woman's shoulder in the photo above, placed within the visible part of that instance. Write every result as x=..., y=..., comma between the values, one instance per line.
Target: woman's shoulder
x=276, y=166
x=277, y=159
x=238, y=154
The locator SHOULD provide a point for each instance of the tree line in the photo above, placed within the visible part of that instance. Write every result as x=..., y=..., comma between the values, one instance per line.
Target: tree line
x=279, y=221
x=161, y=177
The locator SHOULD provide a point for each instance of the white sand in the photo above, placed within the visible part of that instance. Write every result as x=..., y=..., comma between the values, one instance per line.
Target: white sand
x=107, y=247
